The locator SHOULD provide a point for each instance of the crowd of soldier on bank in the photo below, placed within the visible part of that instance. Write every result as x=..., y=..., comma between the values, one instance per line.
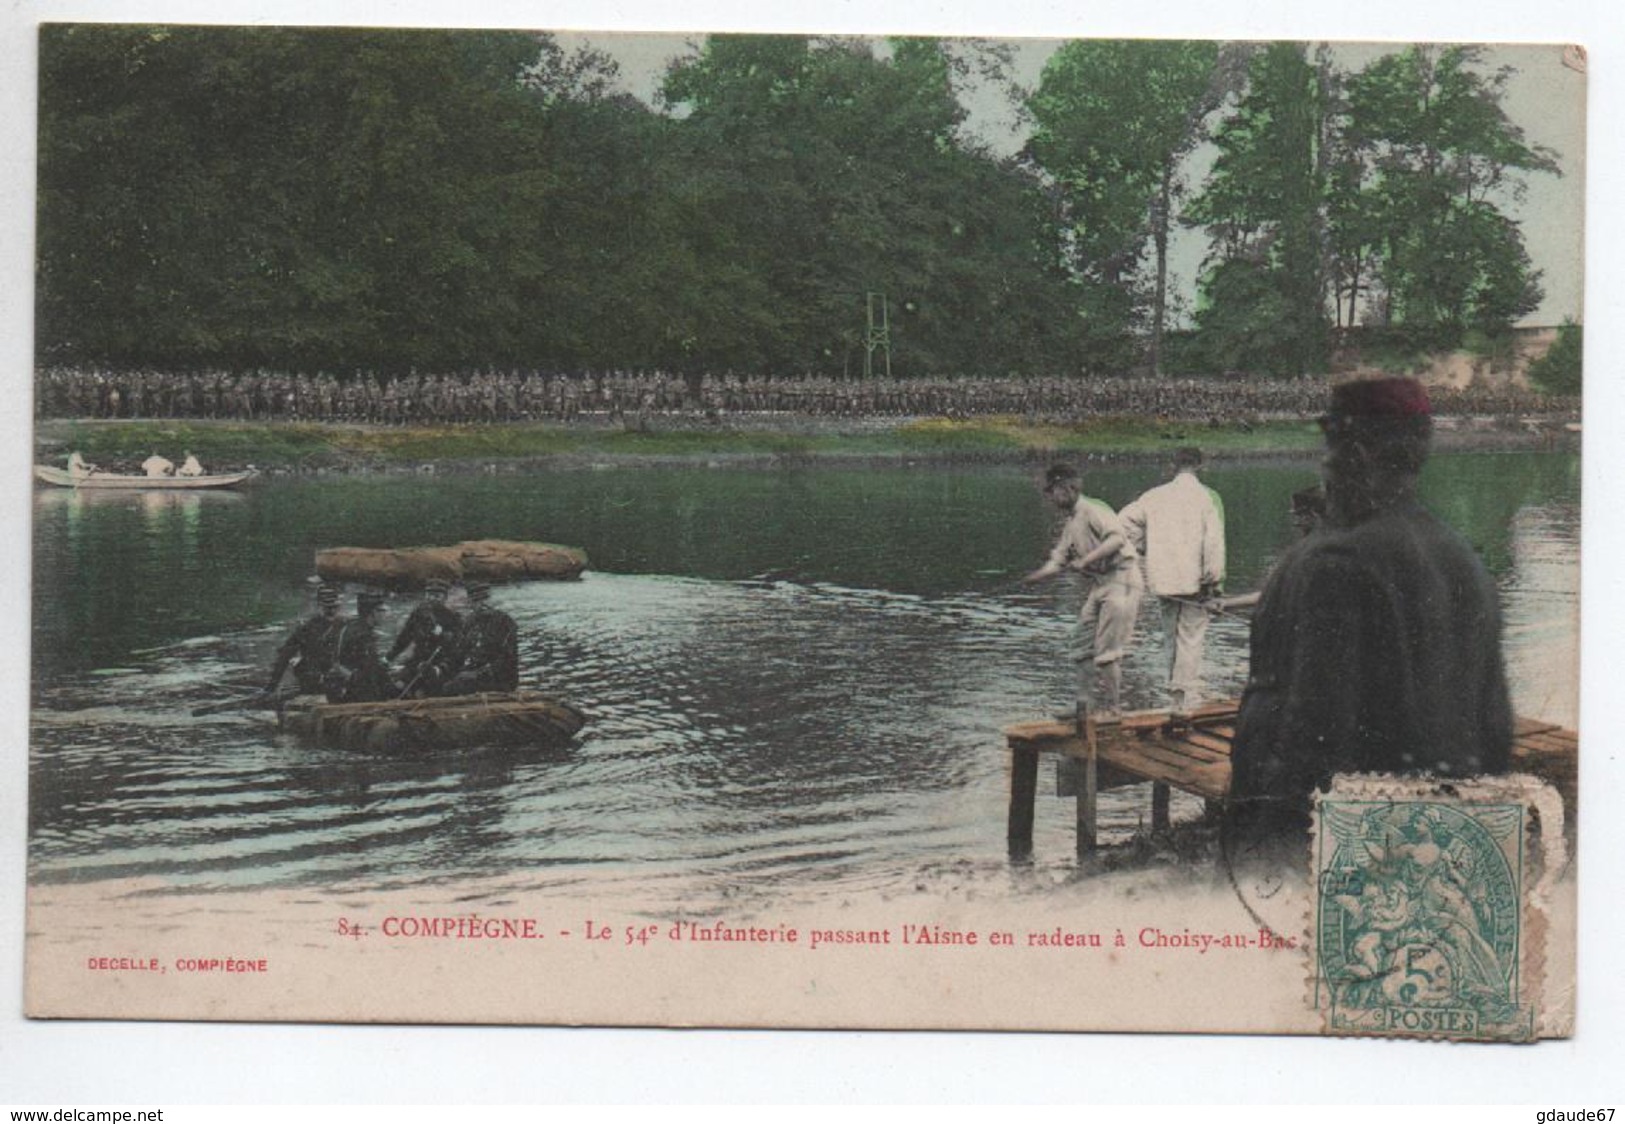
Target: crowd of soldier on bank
x=634, y=397
x=437, y=652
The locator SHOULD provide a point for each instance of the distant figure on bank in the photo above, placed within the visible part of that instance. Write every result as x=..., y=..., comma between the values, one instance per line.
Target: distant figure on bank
x=485, y=656
x=1308, y=511
x=359, y=673
x=1376, y=646
x=156, y=465
x=429, y=631
x=78, y=466
x=190, y=467
x=1178, y=528
x=311, y=647
x=1093, y=545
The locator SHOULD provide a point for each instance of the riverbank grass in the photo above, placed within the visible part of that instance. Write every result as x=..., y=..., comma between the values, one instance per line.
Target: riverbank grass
x=307, y=446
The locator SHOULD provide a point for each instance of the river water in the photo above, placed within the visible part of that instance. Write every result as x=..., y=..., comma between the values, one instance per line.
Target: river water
x=795, y=678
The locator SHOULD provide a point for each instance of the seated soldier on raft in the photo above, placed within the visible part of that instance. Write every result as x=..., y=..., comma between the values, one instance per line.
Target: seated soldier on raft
x=485, y=656
x=311, y=646
x=359, y=673
x=428, y=632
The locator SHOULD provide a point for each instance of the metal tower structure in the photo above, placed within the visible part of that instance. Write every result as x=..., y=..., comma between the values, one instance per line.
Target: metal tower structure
x=878, y=336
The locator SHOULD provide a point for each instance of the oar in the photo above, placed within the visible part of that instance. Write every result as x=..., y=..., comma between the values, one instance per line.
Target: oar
x=422, y=667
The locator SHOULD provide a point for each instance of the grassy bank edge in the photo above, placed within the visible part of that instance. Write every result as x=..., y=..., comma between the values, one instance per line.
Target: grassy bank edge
x=310, y=447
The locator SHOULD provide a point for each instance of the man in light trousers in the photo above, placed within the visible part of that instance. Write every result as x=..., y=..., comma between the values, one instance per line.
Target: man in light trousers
x=1178, y=528
x=1093, y=546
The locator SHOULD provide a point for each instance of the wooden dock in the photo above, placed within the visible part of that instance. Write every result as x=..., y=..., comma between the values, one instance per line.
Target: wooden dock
x=1194, y=757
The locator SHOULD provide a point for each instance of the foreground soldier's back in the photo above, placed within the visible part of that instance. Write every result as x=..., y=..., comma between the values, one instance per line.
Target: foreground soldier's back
x=1376, y=646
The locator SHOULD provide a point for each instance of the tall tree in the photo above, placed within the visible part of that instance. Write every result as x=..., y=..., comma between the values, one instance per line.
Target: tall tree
x=1443, y=158
x=1264, y=204
x=249, y=196
x=821, y=170
x=1113, y=121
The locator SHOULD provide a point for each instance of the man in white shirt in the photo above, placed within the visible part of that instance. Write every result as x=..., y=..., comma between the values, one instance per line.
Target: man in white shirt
x=1178, y=527
x=1094, y=546
x=190, y=467
x=158, y=466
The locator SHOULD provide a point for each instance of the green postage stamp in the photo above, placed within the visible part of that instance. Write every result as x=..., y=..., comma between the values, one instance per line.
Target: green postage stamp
x=1429, y=906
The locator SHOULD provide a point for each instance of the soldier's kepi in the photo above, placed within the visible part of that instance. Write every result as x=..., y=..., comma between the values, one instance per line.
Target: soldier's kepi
x=311, y=647
x=1376, y=647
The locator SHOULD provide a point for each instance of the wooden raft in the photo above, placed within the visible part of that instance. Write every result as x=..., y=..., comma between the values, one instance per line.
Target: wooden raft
x=520, y=718
x=1195, y=758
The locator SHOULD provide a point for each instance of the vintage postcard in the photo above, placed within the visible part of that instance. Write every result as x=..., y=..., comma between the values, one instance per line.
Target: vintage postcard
x=806, y=531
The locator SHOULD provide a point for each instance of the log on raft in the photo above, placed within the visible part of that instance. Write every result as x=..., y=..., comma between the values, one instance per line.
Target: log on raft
x=513, y=719
x=498, y=560
x=394, y=569
x=492, y=560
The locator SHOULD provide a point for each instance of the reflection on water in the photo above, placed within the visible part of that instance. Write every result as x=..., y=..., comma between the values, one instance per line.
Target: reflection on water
x=796, y=682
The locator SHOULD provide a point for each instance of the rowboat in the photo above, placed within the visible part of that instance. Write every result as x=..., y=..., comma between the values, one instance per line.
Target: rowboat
x=519, y=718
x=62, y=478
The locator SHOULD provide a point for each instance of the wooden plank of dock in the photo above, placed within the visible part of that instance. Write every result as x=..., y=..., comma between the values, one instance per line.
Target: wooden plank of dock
x=1194, y=757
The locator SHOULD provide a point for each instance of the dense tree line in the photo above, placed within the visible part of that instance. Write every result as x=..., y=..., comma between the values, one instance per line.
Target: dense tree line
x=325, y=200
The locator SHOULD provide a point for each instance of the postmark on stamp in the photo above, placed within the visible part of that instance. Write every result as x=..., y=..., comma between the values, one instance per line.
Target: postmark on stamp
x=1427, y=914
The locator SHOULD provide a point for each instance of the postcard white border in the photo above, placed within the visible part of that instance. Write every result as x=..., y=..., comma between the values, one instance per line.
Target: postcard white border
x=85, y=1063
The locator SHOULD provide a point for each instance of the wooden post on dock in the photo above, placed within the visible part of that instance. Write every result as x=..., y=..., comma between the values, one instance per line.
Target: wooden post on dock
x=1159, y=806
x=1023, y=797
x=1089, y=790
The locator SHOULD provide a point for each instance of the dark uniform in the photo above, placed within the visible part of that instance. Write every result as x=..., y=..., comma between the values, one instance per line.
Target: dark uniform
x=311, y=647
x=1376, y=647
x=359, y=673
x=486, y=654
x=429, y=631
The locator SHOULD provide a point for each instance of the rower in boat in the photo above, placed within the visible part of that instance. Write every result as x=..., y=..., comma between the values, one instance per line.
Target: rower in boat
x=157, y=465
x=79, y=467
x=485, y=656
x=190, y=467
x=359, y=673
x=429, y=631
x=311, y=647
